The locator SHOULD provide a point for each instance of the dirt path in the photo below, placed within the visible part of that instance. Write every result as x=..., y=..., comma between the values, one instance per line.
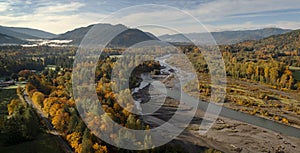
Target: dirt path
x=64, y=145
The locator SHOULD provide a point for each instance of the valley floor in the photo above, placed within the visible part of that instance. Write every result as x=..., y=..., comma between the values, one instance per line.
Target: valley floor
x=228, y=135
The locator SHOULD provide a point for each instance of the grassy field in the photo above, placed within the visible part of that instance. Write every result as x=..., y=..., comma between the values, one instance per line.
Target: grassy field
x=296, y=72
x=44, y=143
x=296, y=75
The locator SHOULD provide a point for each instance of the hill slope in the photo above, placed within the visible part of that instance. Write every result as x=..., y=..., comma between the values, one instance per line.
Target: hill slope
x=75, y=35
x=288, y=42
x=33, y=32
x=5, y=39
x=226, y=37
x=124, y=39
x=8, y=32
x=25, y=33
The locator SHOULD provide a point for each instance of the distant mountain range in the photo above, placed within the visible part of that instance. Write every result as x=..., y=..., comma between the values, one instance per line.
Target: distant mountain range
x=33, y=32
x=26, y=33
x=287, y=43
x=225, y=37
x=15, y=35
x=7, y=40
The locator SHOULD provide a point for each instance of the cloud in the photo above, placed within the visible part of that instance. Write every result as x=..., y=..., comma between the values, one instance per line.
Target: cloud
x=52, y=23
x=252, y=26
x=56, y=18
x=220, y=9
x=59, y=8
x=209, y=14
x=59, y=16
x=4, y=6
x=160, y=18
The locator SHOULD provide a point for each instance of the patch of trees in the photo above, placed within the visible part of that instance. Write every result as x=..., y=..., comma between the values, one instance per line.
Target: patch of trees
x=53, y=95
x=16, y=58
x=59, y=106
x=22, y=123
x=283, y=48
x=62, y=61
x=249, y=65
x=12, y=64
x=267, y=71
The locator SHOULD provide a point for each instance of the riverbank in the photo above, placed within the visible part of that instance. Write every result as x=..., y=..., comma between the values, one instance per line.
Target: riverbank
x=257, y=99
x=226, y=134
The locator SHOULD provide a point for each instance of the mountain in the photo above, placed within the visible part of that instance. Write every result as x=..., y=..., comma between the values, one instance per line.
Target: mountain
x=5, y=39
x=25, y=33
x=75, y=35
x=130, y=37
x=151, y=35
x=8, y=32
x=124, y=39
x=226, y=37
x=33, y=32
x=287, y=43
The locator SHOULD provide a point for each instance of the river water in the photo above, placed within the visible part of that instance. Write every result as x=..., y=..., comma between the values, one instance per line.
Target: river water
x=225, y=112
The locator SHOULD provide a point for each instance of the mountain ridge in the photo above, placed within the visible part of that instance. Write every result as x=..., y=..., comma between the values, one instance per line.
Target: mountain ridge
x=287, y=43
x=33, y=32
x=25, y=33
x=125, y=39
x=226, y=37
x=8, y=40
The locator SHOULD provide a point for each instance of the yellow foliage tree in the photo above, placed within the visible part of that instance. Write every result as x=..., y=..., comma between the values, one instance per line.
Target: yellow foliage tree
x=48, y=102
x=12, y=105
x=38, y=98
x=99, y=149
x=74, y=141
x=60, y=119
x=54, y=108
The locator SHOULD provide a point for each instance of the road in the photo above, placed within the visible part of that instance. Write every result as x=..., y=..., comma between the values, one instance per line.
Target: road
x=64, y=145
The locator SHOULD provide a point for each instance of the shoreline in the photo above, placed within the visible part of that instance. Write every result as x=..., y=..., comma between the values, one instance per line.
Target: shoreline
x=243, y=137
x=223, y=130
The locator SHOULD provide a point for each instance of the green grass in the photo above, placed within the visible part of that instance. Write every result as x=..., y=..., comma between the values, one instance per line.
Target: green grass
x=296, y=75
x=44, y=143
x=6, y=95
x=296, y=72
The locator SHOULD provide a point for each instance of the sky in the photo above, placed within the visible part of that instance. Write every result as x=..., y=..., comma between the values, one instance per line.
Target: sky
x=59, y=16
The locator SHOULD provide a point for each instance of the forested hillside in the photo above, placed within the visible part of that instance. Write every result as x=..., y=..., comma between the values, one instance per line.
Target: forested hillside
x=125, y=39
x=226, y=37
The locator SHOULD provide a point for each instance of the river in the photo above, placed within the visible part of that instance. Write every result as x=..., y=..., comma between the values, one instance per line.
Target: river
x=225, y=112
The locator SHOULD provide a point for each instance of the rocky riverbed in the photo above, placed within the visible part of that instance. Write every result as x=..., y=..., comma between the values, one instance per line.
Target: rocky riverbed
x=226, y=135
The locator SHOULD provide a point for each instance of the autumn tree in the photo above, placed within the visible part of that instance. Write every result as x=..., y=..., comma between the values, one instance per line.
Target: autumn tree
x=74, y=140
x=38, y=98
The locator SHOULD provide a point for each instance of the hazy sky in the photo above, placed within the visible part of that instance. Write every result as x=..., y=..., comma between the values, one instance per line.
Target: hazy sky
x=59, y=16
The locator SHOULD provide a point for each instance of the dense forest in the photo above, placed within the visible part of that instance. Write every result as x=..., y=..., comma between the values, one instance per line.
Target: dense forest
x=21, y=122
x=53, y=95
x=262, y=77
x=13, y=59
x=268, y=60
